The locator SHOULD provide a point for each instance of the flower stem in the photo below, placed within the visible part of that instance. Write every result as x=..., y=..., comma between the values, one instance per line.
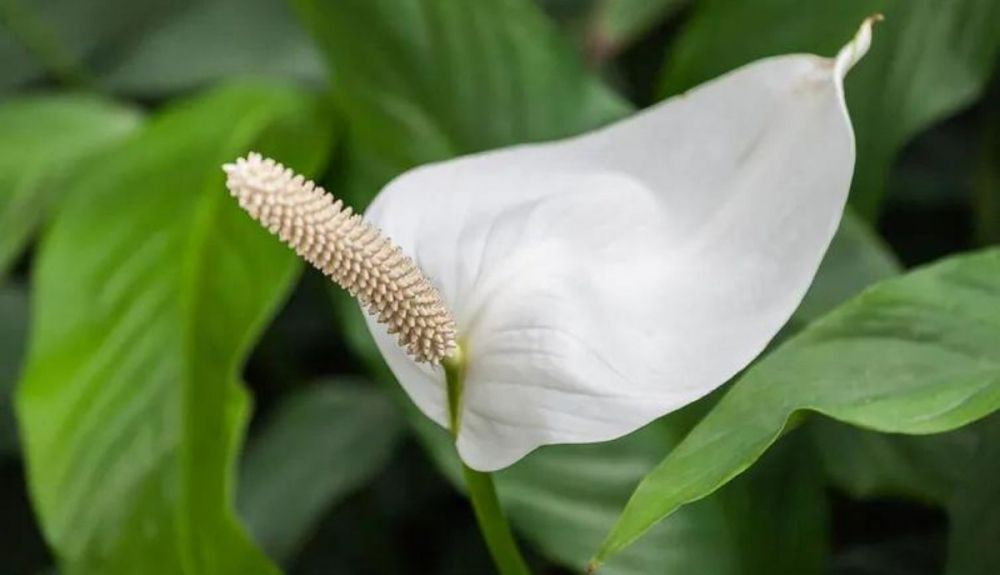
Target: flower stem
x=492, y=523
x=489, y=515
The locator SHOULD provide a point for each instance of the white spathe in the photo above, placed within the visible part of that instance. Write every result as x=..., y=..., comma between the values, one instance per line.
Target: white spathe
x=603, y=281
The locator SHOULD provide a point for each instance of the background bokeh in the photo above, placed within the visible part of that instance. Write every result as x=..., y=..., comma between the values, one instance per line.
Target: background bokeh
x=134, y=299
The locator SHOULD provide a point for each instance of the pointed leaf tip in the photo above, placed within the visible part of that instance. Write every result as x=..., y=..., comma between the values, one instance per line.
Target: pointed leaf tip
x=856, y=49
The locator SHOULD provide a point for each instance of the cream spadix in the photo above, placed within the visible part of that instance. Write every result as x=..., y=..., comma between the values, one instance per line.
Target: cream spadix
x=351, y=252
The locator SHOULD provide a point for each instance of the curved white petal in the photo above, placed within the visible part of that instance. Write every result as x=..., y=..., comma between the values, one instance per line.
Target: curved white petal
x=603, y=281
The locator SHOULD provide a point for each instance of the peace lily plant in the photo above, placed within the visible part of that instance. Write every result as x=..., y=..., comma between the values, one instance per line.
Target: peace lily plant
x=574, y=291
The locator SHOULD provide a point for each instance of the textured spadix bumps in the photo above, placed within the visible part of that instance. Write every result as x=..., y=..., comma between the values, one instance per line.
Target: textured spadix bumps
x=349, y=250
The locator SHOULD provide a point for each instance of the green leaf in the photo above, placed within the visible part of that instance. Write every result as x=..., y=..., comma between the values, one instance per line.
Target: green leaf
x=928, y=60
x=915, y=354
x=320, y=445
x=13, y=335
x=215, y=39
x=43, y=139
x=150, y=288
x=423, y=80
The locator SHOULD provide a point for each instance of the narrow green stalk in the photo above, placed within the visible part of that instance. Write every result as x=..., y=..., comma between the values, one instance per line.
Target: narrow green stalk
x=483, y=495
x=492, y=523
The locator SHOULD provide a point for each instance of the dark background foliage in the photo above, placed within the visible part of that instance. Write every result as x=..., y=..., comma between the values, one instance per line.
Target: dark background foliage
x=114, y=117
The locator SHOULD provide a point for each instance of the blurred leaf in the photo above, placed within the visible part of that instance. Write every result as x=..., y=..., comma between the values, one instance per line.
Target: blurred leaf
x=617, y=23
x=777, y=512
x=214, y=39
x=856, y=259
x=928, y=60
x=321, y=444
x=42, y=140
x=152, y=47
x=150, y=289
x=900, y=556
x=13, y=333
x=72, y=40
x=423, y=80
x=17, y=63
x=957, y=470
x=975, y=508
x=869, y=464
x=915, y=354
x=932, y=172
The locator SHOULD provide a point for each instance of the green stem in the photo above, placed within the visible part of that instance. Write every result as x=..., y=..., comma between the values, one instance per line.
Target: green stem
x=483, y=495
x=492, y=523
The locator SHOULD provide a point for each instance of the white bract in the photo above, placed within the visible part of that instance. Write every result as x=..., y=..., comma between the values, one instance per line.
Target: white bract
x=602, y=281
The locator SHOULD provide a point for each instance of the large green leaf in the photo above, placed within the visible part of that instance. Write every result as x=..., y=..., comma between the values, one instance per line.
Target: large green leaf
x=916, y=354
x=42, y=141
x=423, y=80
x=13, y=333
x=928, y=60
x=321, y=444
x=149, y=290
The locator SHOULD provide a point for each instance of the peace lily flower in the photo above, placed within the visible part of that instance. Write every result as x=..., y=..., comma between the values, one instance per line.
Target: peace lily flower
x=587, y=286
